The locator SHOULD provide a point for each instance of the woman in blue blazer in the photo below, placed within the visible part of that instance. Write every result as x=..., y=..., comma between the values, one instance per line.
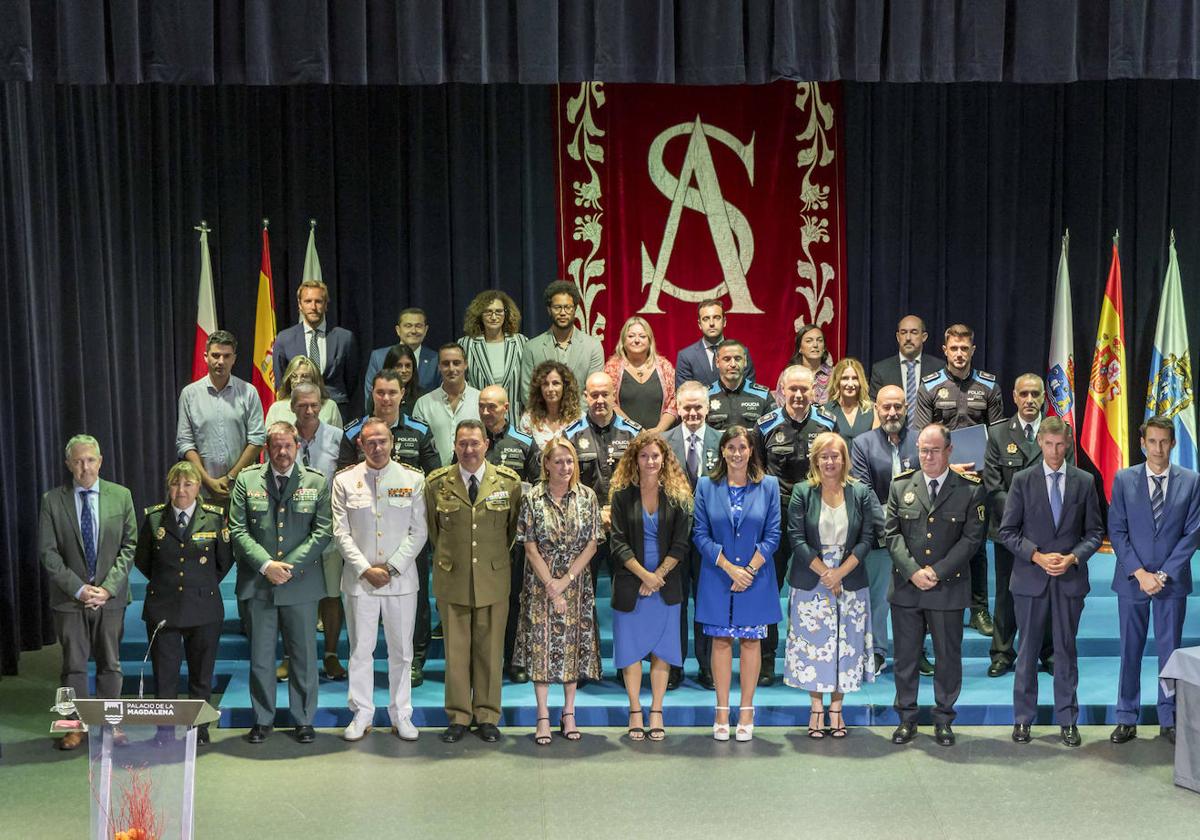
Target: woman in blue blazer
x=831, y=520
x=736, y=533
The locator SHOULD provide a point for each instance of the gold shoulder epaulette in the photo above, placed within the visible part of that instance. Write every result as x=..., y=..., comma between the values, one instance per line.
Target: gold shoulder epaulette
x=211, y=508
x=971, y=477
x=441, y=471
x=508, y=472
x=155, y=508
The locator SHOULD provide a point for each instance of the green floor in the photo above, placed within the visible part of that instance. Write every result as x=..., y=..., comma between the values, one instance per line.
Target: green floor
x=781, y=785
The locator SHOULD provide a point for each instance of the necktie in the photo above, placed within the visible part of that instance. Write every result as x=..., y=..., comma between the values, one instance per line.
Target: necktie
x=87, y=527
x=314, y=350
x=711, y=349
x=280, y=484
x=182, y=520
x=1055, y=497
x=933, y=490
x=1028, y=431
x=1156, y=499
x=473, y=489
x=910, y=388
x=693, y=459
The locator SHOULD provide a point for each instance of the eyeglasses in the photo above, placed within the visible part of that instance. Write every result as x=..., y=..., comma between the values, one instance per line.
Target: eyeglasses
x=562, y=307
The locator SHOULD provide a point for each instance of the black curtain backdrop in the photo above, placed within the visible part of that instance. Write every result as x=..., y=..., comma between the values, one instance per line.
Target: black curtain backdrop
x=423, y=196
x=260, y=42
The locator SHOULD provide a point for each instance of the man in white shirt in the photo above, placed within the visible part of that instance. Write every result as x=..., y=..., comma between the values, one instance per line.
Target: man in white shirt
x=443, y=408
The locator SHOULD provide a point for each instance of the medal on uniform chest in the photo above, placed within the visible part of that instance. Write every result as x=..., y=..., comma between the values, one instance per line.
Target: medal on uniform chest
x=583, y=443
x=1012, y=449
x=160, y=533
x=943, y=393
x=910, y=497
x=203, y=560
x=780, y=437
x=360, y=484
x=714, y=404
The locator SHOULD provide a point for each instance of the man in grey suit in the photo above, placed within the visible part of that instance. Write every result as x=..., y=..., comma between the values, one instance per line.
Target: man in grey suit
x=1052, y=526
x=563, y=342
x=697, y=446
x=280, y=521
x=87, y=536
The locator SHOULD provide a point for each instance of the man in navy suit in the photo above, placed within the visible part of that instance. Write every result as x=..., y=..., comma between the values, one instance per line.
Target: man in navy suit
x=697, y=446
x=905, y=369
x=1154, y=525
x=698, y=361
x=332, y=349
x=411, y=328
x=1052, y=526
x=878, y=457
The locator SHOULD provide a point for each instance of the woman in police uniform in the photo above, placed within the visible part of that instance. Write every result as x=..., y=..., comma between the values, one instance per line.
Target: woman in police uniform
x=183, y=549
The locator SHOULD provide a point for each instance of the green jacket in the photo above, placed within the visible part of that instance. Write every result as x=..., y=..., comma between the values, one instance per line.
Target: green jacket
x=293, y=529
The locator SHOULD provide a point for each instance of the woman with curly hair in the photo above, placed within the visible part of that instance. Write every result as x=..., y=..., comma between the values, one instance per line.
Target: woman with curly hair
x=301, y=369
x=651, y=535
x=552, y=403
x=644, y=381
x=849, y=405
x=493, y=344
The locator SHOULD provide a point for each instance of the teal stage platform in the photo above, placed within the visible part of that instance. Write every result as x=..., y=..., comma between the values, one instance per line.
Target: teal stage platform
x=984, y=700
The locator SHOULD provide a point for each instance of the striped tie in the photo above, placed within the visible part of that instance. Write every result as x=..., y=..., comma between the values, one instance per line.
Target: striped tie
x=1156, y=499
x=314, y=350
x=910, y=389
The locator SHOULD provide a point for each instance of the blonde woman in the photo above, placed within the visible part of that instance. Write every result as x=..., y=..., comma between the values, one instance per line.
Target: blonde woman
x=651, y=535
x=849, y=405
x=301, y=369
x=644, y=381
x=831, y=522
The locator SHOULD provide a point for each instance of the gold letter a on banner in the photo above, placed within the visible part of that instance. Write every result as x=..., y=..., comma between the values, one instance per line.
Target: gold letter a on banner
x=727, y=224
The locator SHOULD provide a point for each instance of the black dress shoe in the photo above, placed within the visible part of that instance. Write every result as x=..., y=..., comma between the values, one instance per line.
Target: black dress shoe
x=944, y=735
x=202, y=735
x=488, y=733
x=1070, y=736
x=705, y=679
x=878, y=662
x=905, y=732
x=999, y=668
x=258, y=733
x=925, y=666
x=766, y=677
x=1123, y=734
x=1021, y=733
x=1048, y=666
x=305, y=734
x=454, y=733
x=675, y=678
x=982, y=622
x=1167, y=732
x=416, y=675
x=518, y=675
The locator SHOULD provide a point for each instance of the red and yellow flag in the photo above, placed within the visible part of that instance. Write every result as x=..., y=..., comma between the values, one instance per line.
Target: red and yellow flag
x=263, y=376
x=1105, y=435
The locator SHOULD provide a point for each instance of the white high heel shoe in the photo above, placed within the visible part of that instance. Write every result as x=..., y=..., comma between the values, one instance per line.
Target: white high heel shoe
x=745, y=731
x=721, y=730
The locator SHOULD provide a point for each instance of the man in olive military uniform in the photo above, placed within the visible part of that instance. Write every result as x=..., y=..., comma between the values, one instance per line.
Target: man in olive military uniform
x=517, y=451
x=782, y=438
x=735, y=400
x=279, y=518
x=472, y=509
x=184, y=551
x=1012, y=446
x=935, y=521
x=959, y=396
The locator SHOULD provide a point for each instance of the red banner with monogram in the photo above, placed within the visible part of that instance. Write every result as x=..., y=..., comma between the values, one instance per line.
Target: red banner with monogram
x=668, y=195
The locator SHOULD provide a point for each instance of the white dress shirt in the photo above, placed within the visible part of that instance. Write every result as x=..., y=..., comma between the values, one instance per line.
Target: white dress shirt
x=1150, y=483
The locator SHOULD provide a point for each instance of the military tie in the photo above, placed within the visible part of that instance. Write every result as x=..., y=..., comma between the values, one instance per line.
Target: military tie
x=182, y=520
x=910, y=389
x=693, y=459
x=280, y=484
x=87, y=527
x=473, y=489
x=1029, y=432
x=1055, y=497
x=1156, y=499
x=933, y=490
x=314, y=350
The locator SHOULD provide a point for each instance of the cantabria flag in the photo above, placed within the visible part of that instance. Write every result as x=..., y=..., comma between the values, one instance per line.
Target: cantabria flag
x=1170, y=391
x=1060, y=368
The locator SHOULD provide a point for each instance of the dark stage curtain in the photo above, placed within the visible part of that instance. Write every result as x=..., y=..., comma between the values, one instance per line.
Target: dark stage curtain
x=958, y=195
x=423, y=196
x=358, y=42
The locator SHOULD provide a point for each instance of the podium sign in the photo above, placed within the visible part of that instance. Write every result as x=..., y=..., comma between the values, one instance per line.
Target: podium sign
x=143, y=788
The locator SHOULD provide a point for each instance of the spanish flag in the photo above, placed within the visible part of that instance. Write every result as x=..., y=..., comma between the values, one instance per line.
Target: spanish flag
x=263, y=375
x=1105, y=435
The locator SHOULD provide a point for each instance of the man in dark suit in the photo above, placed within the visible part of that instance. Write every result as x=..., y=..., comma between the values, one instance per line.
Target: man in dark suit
x=696, y=445
x=935, y=521
x=411, y=328
x=332, y=349
x=698, y=361
x=87, y=535
x=1012, y=446
x=905, y=369
x=1052, y=526
x=876, y=459
x=1154, y=525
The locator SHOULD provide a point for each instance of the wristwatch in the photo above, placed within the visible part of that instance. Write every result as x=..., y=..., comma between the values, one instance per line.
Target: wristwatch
x=392, y=571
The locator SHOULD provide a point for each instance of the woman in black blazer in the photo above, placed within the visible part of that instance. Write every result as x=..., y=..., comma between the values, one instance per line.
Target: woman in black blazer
x=832, y=521
x=651, y=529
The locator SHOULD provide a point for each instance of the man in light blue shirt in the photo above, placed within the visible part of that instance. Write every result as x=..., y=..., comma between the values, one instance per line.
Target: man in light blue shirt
x=443, y=408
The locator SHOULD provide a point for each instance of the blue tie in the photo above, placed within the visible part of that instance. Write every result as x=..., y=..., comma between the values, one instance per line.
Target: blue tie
x=87, y=527
x=1156, y=499
x=910, y=389
x=1055, y=498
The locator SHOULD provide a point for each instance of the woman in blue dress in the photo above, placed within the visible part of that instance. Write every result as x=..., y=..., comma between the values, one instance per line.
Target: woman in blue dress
x=831, y=522
x=736, y=535
x=651, y=519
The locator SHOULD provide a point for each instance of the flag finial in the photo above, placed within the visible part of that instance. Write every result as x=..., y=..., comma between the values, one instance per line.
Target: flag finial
x=1172, y=236
x=266, y=223
x=1116, y=235
x=203, y=227
x=312, y=224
